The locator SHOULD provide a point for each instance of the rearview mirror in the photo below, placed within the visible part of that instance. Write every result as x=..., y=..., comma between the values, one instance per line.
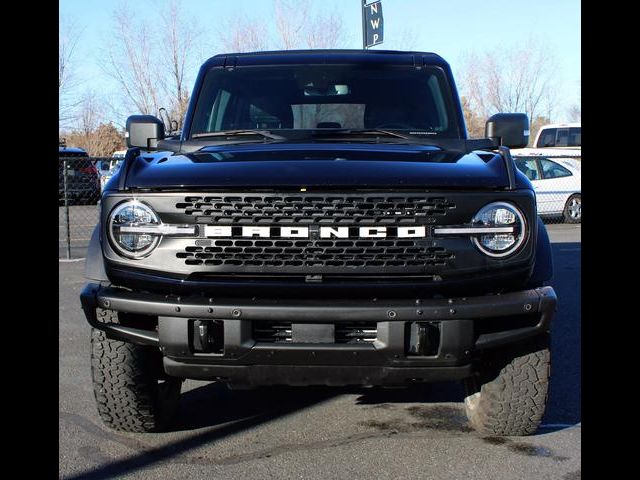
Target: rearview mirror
x=144, y=131
x=312, y=90
x=508, y=129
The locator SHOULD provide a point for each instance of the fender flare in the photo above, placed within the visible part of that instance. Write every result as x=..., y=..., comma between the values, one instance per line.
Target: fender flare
x=94, y=263
x=543, y=268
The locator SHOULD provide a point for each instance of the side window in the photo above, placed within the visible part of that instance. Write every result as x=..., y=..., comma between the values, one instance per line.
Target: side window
x=575, y=136
x=218, y=110
x=529, y=167
x=438, y=100
x=562, y=139
x=547, y=138
x=553, y=170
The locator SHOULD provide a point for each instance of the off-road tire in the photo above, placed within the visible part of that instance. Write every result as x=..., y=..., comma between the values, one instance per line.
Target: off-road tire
x=131, y=391
x=509, y=397
x=569, y=207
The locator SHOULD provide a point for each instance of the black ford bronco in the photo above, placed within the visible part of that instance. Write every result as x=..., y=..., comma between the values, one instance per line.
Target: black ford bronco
x=322, y=219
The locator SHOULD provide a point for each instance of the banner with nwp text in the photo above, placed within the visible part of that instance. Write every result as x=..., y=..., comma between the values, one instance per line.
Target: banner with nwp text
x=373, y=24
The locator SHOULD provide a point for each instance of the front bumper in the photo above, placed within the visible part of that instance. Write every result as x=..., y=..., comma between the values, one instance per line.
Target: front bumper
x=466, y=326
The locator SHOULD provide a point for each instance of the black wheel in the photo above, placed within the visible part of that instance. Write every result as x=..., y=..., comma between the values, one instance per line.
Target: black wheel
x=573, y=209
x=509, y=396
x=132, y=393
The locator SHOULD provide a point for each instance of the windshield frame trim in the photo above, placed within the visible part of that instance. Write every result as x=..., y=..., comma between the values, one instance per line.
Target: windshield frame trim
x=447, y=77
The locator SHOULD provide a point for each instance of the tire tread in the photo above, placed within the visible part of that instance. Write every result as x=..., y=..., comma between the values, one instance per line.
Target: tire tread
x=125, y=384
x=513, y=403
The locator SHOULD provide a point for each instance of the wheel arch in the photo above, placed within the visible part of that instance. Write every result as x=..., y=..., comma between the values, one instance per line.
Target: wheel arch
x=94, y=263
x=543, y=268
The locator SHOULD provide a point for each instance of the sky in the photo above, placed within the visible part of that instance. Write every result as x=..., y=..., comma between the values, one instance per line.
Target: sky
x=450, y=28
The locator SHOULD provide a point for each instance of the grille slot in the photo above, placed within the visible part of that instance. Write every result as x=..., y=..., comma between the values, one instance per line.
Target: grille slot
x=356, y=332
x=316, y=209
x=345, y=332
x=272, y=332
x=326, y=255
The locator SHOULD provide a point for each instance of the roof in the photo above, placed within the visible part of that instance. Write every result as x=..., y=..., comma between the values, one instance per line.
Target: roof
x=561, y=125
x=547, y=152
x=62, y=150
x=327, y=56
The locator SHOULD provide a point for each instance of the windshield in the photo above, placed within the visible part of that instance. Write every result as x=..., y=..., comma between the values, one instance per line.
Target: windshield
x=309, y=97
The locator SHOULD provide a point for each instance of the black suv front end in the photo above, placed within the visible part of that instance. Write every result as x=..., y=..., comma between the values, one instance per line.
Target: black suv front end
x=322, y=219
x=418, y=303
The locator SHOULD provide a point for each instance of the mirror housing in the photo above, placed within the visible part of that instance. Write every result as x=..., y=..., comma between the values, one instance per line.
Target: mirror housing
x=508, y=129
x=144, y=131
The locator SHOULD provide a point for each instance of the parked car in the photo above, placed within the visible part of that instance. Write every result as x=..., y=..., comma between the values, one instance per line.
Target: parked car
x=557, y=183
x=571, y=155
x=559, y=135
x=82, y=177
x=107, y=168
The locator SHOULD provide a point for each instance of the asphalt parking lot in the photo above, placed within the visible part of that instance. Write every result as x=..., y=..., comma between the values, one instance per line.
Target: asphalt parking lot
x=328, y=433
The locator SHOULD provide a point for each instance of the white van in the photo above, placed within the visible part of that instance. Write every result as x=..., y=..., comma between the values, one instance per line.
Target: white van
x=559, y=135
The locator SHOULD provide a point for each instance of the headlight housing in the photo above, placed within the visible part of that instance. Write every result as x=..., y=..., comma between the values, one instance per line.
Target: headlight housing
x=502, y=216
x=129, y=229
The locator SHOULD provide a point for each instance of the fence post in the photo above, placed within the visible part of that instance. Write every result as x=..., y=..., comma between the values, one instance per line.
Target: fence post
x=66, y=208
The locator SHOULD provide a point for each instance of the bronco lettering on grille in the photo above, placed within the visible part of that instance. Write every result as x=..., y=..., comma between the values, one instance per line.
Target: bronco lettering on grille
x=218, y=231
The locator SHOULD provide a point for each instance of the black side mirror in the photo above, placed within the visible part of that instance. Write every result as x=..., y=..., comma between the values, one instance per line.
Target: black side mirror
x=144, y=131
x=508, y=129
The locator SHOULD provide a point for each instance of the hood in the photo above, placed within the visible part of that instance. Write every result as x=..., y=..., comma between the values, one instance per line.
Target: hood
x=272, y=166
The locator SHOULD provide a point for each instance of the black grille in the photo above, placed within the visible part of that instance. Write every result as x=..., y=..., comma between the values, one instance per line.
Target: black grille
x=347, y=332
x=324, y=255
x=317, y=209
x=356, y=332
x=272, y=332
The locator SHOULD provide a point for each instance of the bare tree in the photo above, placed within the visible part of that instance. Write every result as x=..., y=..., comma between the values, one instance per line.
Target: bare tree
x=150, y=62
x=475, y=124
x=130, y=62
x=300, y=25
x=574, y=113
x=243, y=34
x=90, y=113
x=92, y=132
x=69, y=35
x=405, y=41
x=179, y=37
x=324, y=31
x=518, y=79
x=291, y=17
x=101, y=141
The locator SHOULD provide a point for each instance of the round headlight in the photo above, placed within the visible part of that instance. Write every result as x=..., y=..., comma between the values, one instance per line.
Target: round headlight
x=124, y=220
x=500, y=216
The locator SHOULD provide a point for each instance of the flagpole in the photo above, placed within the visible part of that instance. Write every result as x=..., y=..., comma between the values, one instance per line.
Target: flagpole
x=364, y=26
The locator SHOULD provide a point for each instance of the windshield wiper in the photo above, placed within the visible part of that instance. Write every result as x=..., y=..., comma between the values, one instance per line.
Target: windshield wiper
x=328, y=132
x=375, y=131
x=233, y=133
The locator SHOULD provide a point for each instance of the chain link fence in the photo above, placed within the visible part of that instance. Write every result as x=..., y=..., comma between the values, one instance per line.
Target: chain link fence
x=80, y=181
x=556, y=179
